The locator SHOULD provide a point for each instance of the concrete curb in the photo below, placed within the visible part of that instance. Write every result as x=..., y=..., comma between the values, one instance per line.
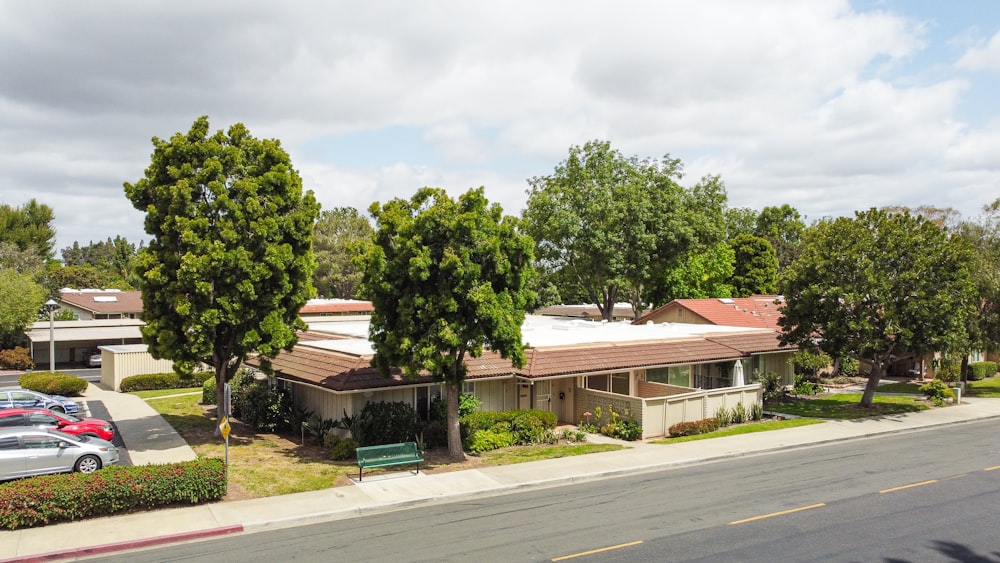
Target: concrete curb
x=124, y=545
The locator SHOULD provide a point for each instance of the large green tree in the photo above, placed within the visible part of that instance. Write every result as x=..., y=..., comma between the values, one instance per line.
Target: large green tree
x=20, y=301
x=229, y=261
x=782, y=226
x=876, y=287
x=983, y=236
x=113, y=258
x=335, y=235
x=29, y=227
x=612, y=224
x=699, y=276
x=755, y=266
x=447, y=279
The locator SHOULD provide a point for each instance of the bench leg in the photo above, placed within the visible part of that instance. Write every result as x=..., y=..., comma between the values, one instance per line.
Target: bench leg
x=359, y=473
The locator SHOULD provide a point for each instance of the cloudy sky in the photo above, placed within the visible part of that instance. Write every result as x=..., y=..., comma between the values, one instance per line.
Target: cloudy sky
x=830, y=106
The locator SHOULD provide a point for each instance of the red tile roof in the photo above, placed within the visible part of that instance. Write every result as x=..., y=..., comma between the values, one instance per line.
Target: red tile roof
x=758, y=311
x=335, y=307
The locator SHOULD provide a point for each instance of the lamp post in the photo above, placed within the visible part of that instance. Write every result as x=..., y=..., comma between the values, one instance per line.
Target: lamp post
x=51, y=307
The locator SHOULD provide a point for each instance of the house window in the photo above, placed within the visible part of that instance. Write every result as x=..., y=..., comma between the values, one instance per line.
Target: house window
x=658, y=375
x=619, y=383
x=598, y=382
x=468, y=388
x=680, y=376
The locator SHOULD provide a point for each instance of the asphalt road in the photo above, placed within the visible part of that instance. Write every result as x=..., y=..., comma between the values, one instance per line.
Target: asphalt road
x=922, y=496
x=90, y=374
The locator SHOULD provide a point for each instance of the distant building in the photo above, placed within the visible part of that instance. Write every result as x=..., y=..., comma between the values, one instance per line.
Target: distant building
x=622, y=312
x=101, y=304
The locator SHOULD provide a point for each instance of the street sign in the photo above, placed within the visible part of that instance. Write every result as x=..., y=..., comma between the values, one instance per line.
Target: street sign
x=225, y=428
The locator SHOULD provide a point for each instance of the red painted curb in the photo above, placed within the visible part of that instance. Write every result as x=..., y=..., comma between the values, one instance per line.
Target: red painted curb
x=121, y=546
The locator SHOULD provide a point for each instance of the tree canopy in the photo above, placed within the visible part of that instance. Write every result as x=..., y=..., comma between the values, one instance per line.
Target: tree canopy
x=113, y=258
x=755, y=266
x=446, y=279
x=229, y=261
x=876, y=287
x=28, y=227
x=335, y=236
x=21, y=301
x=782, y=226
x=612, y=224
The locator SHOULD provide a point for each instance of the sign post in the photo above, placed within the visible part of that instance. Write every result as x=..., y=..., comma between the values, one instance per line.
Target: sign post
x=224, y=428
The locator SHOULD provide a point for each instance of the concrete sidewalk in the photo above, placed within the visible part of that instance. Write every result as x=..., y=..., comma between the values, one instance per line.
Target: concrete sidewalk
x=400, y=490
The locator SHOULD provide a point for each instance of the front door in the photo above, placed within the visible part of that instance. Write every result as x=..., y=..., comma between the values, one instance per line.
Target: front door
x=523, y=396
x=543, y=395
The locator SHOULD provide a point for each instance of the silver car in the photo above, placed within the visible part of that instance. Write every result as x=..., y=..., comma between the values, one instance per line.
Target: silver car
x=26, y=451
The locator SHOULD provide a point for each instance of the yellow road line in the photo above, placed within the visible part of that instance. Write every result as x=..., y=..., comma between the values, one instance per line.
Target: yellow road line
x=908, y=486
x=782, y=513
x=593, y=551
x=992, y=468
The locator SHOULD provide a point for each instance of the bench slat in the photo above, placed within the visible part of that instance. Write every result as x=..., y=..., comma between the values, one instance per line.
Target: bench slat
x=386, y=455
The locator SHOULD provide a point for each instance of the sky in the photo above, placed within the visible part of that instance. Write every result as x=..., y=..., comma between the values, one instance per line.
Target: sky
x=831, y=106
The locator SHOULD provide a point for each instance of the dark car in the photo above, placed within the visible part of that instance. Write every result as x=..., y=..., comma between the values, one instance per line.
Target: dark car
x=36, y=451
x=45, y=418
x=27, y=399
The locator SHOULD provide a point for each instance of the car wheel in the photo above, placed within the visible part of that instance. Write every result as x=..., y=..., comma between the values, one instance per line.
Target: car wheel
x=57, y=408
x=87, y=464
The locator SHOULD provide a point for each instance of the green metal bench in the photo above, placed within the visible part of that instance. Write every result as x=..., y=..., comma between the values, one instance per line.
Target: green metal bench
x=386, y=455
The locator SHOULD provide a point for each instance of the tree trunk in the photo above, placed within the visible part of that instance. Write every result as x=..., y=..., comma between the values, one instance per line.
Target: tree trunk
x=964, y=370
x=878, y=370
x=455, y=451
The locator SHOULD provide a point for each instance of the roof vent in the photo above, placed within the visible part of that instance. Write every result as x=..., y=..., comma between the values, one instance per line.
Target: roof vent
x=726, y=300
x=105, y=299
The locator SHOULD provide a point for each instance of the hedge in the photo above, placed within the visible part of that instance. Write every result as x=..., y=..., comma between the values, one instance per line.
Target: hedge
x=16, y=358
x=982, y=370
x=53, y=383
x=49, y=499
x=153, y=381
x=485, y=420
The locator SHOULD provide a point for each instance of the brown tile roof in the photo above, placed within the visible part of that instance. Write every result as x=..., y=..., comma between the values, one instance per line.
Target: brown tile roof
x=546, y=362
x=343, y=372
x=106, y=302
x=758, y=311
x=588, y=311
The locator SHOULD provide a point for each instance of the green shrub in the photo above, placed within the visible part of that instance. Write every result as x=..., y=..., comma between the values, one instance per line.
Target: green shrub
x=849, y=367
x=16, y=358
x=263, y=407
x=621, y=427
x=53, y=383
x=723, y=417
x=484, y=420
x=982, y=370
x=389, y=423
x=154, y=381
x=740, y=414
x=756, y=411
x=770, y=384
x=486, y=440
x=937, y=391
x=693, y=428
x=467, y=404
x=340, y=449
x=208, y=392
x=49, y=499
x=435, y=434
x=805, y=386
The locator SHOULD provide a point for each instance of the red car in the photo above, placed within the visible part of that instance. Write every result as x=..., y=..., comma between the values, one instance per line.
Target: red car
x=44, y=418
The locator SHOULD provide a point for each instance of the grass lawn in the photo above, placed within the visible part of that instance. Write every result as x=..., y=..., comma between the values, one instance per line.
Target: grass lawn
x=164, y=392
x=845, y=406
x=263, y=465
x=742, y=429
x=911, y=388
x=988, y=388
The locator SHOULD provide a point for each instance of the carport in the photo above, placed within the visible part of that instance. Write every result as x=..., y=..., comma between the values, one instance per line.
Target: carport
x=74, y=340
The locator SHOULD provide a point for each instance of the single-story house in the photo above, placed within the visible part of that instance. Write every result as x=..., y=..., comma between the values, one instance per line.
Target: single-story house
x=97, y=304
x=662, y=373
x=758, y=312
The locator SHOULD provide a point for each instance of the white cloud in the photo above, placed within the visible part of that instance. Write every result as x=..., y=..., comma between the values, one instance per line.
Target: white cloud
x=983, y=56
x=791, y=102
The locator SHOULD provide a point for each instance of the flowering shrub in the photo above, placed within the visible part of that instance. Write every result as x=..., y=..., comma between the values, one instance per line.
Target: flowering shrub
x=937, y=391
x=55, y=498
x=693, y=428
x=617, y=425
